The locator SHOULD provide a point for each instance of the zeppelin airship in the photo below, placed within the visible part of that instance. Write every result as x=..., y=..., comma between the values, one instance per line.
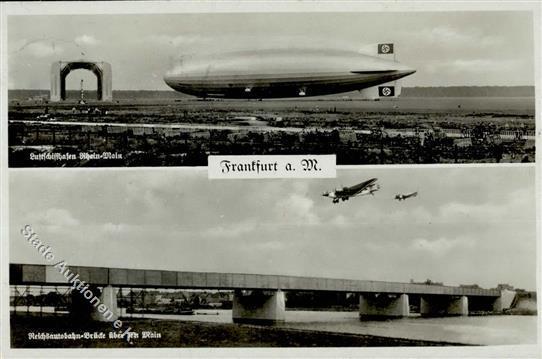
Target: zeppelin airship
x=287, y=73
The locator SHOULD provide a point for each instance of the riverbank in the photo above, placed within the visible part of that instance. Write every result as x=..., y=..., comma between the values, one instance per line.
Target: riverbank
x=165, y=333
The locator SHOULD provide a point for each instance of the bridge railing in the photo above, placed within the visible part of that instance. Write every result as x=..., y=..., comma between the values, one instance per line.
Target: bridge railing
x=119, y=277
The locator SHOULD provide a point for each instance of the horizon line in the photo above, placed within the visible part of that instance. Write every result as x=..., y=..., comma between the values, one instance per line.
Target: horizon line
x=171, y=90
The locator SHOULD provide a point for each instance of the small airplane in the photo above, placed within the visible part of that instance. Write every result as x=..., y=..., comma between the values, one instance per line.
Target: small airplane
x=344, y=193
x=402, y=197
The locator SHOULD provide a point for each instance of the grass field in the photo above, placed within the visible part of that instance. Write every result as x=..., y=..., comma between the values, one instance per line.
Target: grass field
x=177, y=334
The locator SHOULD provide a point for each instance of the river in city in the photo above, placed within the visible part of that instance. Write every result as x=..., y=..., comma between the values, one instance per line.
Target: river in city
x=477, y=330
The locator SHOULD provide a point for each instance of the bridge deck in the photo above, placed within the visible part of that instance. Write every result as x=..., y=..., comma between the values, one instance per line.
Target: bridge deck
x=26, y=274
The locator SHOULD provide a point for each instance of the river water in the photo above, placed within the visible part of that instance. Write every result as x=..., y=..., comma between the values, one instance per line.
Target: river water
x=477, y=330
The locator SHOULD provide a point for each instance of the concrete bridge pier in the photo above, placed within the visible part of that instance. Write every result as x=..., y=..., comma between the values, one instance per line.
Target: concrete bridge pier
x=504, y=301
x=258, y=306
x=437, y=306
x=375, y=306
x=94, y=304
x=107, y=310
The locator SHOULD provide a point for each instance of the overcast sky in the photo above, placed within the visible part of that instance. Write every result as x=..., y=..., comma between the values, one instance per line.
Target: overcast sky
x=446, y=48
x=468, y=225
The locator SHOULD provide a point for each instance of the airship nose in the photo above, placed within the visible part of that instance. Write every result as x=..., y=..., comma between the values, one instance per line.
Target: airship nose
x=168, y=78
x=171, y=81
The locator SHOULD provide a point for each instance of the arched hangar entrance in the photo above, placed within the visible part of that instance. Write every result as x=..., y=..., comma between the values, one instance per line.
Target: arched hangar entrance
x=61, y=69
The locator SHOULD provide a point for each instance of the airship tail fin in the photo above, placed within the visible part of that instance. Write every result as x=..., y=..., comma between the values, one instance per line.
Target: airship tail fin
x=397, y=87
x=383, y=50
x=387, y=90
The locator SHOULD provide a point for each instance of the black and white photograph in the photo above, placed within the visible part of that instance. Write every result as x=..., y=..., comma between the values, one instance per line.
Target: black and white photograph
x=172, y=89
x=407, y=257
x=259, y=179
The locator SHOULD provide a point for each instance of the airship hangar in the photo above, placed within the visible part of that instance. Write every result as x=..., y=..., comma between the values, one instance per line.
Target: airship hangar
x=61, y=69
x=286, y=73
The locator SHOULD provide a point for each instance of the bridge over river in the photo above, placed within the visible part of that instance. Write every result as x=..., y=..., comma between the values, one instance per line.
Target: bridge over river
x=261, y=297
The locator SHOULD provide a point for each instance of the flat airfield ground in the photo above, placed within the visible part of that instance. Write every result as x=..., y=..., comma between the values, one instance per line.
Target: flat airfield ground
x=507, y=105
